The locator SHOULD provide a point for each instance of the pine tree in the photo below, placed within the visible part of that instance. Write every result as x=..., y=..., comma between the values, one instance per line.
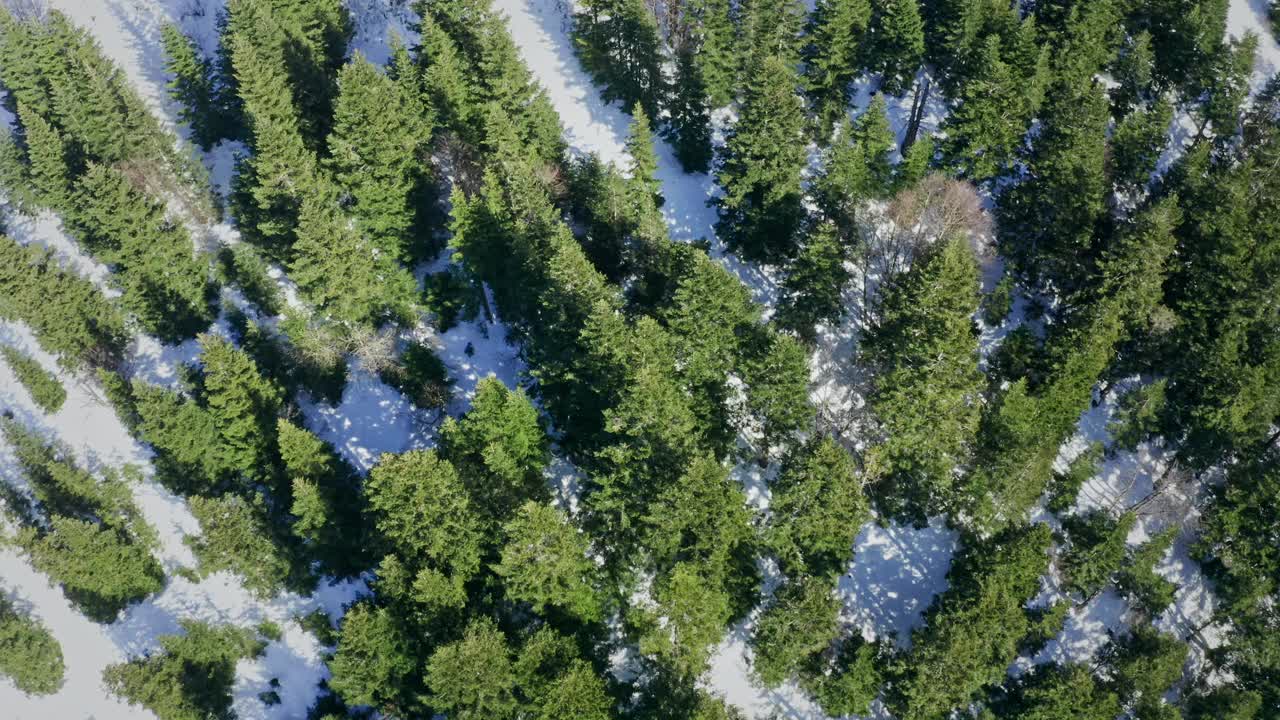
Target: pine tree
x=545, y=563
x=377, y=152
x=813, y=291
x=191, y=86
x=776, y=371
x=927, y=384
x=376, y=663
x=473, y=678
x=499, y=448
x=817, y=510
x=973, y=629
x=696, y=611
x=896, y=43
x=1095, y=551
x=619, y=44
x=767, y=29
x=800, y=622
x=836, y=32
x=689, y=122
x=645, y=185
x=1057, y=691
x=760, y=167
x=243, y=406
x=715, y=56
x=1137, y=143
x=341, y=272
x=444, y=81
x=50, y=173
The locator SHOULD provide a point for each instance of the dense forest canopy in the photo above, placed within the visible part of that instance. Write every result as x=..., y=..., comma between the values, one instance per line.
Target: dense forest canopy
x=1035, y=244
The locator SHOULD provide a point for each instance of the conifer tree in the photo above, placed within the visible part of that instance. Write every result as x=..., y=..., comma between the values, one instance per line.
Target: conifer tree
x=50, y=169
x=689, y=122
x=645, y=186
x=376, y=662
x=813, y=291
x=545, y=563
x=191, y=86
x=1048, y=222
x=696, y=609
x=767, y=28
x=973, y=629
x=473, y=678
x=1137, y=143
x=817, y=510
x=896, y=43
x=927, y=384
x=619, y=44
x=760, y=167
x=1055, y=691
x=445, y=85
x=377, y=152
x=715, y=56
x=776, y=370
x=836, y=33
x=800, y=622
x=996, y=106
x=243, y=406
x=342, y=272
x=499, y=448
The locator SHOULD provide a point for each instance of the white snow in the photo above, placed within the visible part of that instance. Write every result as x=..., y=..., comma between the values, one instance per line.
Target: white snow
x=1245, y=16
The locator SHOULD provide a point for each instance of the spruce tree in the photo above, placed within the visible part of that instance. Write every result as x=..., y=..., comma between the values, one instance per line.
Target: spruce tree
x=817, y=510
x=377, y=154
x=837, y=32
x=985, y=131
x=619, y=44
x=243, y=406
x=813, y=291
x=646, y=188
x=689, y=124
x=50, y=169
x=800, y=622
x=715, y=56
x=760, y=167
x=546, y=563
x=896, y=43
x=473, y=678
x=767, y=28
x=191, y=86
x=923, y=351
x=974, y=628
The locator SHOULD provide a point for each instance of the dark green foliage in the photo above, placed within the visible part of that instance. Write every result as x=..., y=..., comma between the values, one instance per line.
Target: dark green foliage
x=851, y=685
x=760, y=166
x=190, y=677
x=856, y=167
x=775, y=368
x=473, y=679
x=421, y=510
x=326, y=501
x=500, y=449
x=801, y=621
x=837, y=33
x=767, y=28
x=102, y=569
x=49, y=171
x=244, y=266
x=996, y=106
x=817, y=510
x=1048, y=221
x=1224, y=703
x=997, y=305
x=84, y=531
x=689, y=125
x=1055, y=691
x=545, y=563
x=236, y=535
x=619, y=45
x=1235, y=544
x=29, y=654
x=1137, y=143
x=1046, y=624
x=242, y=406
x=1095, y=549
x=1065, y=486
x=1138, y=415
x=379, y=157
x=1250, y=651
x=1146, y=663
x=1138, y=579
x=343, y=272
x=896, y=43
x=973, y=629
x=375, y=663
x=43, y=386
x=815, y=282
x=923, y=348
x=191, y=86
x=715, y=55
x=453, y=297
x=696, y=610
x=421, y=375
x=165, y=282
